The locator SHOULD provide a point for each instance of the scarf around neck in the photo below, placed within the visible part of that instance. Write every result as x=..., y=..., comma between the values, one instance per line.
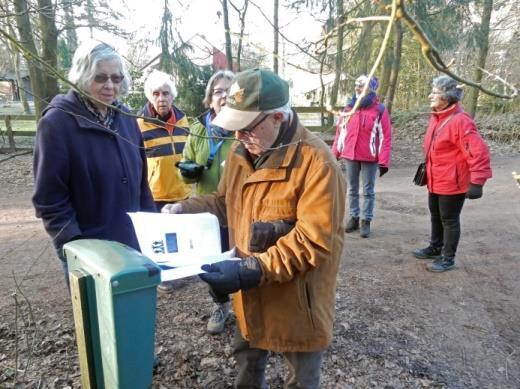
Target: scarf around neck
x=367, y=101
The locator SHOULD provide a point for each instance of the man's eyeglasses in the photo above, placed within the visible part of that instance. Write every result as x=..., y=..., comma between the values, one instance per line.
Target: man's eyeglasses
x=103, y=78
x=220, y=92
x=248, y=131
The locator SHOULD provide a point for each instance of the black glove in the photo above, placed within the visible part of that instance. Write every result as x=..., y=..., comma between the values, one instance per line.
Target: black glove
x=265, y=234
x=382, y=170
x=474, y=192
x=229, y=276
x=190, y=169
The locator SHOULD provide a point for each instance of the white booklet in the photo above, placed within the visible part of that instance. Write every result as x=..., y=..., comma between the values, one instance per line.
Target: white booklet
x=179, y=243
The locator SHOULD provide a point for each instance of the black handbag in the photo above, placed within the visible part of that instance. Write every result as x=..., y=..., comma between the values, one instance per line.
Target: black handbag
x=420, y=175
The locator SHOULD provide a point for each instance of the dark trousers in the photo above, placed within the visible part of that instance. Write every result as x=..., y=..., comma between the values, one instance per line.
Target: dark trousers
x=445, y=219
x=304, y=367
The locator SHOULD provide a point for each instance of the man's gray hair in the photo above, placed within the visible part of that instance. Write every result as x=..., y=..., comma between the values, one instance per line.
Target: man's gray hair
x=85, y=65
x=286, y=110
x=158, y=80
x=216, y=77
x=451, y=90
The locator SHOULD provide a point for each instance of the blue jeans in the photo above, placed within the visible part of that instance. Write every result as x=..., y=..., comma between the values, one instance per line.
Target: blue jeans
x=367, y=171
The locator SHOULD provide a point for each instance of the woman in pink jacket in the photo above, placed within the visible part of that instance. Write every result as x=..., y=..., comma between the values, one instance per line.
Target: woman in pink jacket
x=457, y=167
x=364, y=141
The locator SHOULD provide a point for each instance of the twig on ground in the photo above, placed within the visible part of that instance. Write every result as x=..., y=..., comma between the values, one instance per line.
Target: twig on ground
x=16, y=155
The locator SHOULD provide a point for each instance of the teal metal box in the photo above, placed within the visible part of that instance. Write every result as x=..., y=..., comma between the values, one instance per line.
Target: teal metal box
x=113, y=289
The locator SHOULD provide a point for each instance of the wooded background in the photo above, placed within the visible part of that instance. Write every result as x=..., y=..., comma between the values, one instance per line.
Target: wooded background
x=476, y=41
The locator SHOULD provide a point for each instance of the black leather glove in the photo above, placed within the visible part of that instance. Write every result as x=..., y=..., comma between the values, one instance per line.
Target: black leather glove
x=265, y=234
x=382, y=170
x=474, y=192
x=229, y=276
x=190, y=169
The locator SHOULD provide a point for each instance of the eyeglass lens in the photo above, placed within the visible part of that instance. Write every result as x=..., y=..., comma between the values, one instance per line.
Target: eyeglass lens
x=248, y=131
x=102, y=78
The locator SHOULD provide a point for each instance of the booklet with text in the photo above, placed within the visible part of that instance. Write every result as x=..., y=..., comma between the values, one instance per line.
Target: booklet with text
x=179, y=243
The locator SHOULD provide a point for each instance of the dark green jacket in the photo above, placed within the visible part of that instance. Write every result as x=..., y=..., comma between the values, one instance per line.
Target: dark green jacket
x=197, y=149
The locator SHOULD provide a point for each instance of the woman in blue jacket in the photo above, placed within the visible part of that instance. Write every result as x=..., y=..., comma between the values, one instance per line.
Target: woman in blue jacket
x=89, y=162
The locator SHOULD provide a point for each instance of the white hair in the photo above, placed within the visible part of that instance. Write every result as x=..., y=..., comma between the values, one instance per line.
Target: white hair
x=285, y=110
x=158, y=80
x=85, y=65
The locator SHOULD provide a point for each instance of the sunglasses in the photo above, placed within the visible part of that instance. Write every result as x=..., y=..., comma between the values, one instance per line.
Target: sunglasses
x=103, y=78
x=248, y=131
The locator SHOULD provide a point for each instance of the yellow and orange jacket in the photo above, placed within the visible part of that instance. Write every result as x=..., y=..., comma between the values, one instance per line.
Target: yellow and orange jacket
x=164, y=143
x=293, y=307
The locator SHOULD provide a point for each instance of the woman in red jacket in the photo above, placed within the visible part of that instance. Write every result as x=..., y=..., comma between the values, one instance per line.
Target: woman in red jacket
x=457, y=165
x=363, y=141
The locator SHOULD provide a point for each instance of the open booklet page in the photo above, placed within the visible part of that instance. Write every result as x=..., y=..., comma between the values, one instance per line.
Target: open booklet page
x=179, y=243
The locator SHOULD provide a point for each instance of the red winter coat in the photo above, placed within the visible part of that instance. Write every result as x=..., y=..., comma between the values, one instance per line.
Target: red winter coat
x=364, y=138
x=458, y=155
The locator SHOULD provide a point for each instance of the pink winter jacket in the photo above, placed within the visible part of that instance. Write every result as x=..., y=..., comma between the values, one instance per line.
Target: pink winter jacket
x=364, y=137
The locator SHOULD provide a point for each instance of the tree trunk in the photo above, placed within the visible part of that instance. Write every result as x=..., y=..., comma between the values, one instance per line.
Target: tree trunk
x=388, y=59
x=15, y=56
x=70, y=32
x=49, y=42
x=365, y=51
x=338, y=61
x=227, y=33
x=242, y=15
x=25, y=33
x=392, y=83
x=275, y=28
x=483, y=39
x=19, y=81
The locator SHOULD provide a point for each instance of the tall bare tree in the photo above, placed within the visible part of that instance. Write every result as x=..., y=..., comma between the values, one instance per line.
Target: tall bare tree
x=25, y=33
x=483, y=48
x=276, y=36
x=49, y=45
x=227, y=32
x=242, y=12
x=338, y=60
x=396, y=65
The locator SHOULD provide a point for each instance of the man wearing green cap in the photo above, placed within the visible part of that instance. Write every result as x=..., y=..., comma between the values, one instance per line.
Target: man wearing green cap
x=283, y=198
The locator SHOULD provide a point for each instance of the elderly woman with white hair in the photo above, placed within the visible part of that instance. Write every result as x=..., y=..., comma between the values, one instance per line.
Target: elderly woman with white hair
x=89, y=161
x=363, y=143
x=457, y=167
x=165, y=131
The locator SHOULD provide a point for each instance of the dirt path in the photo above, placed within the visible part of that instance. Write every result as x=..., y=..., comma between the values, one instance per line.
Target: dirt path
x=398, y=326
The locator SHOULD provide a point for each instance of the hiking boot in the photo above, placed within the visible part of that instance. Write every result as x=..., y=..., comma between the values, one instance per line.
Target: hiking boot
x=428, y=253
x=365, y=228
x=165, y=287
x=441, y=265
x=352, y=224
x=218, y=318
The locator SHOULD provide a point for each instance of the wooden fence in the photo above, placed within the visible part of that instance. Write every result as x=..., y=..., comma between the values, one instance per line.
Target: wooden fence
x=313, y=123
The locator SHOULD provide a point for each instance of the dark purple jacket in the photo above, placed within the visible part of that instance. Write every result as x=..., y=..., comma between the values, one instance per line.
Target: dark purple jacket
x=87, y=177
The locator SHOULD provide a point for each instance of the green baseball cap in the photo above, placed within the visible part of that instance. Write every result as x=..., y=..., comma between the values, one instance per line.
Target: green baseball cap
x=252, y=92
